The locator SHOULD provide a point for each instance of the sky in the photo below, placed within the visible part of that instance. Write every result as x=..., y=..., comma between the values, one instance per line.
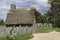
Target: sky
x=41, y=5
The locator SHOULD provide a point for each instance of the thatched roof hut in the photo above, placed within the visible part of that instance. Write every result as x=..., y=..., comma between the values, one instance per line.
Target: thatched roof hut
x=20, y=16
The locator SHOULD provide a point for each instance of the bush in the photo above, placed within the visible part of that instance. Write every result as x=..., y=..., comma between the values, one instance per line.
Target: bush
x=1, y=22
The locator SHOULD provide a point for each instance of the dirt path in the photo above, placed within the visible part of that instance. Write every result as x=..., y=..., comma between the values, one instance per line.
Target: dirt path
x=47, y=36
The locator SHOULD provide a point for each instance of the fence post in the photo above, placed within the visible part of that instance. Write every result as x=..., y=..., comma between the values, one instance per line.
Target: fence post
x=26, y=29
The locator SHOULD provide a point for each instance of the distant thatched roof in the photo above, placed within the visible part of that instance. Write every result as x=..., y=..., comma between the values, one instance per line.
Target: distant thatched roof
x=20, y=16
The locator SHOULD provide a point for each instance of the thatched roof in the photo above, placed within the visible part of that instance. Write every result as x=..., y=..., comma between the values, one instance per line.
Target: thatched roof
x=20, y=16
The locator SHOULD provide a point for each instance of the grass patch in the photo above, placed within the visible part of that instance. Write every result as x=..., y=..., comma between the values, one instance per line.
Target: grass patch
x=43, y=30
x=46, y=30
x=22, y=37
x=57, y=29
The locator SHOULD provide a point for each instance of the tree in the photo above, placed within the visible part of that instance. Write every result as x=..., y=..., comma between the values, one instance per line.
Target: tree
x=39, y=17
x=54, y=13
x=57, y=21
x=49, y=17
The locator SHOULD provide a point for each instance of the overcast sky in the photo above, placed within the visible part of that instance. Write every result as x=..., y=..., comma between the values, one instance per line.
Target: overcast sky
x=41, y=5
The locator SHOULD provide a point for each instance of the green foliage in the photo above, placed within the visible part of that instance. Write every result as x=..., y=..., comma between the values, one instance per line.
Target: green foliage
x=53, y=14
x=1, y=22
x=43, y=30
x=22, y=37
x=49, y=17
x=2, y=38
x=39, y=17
x=46, y=30
x=57, y=21
x=11, y=30
x=9, y=38
x=57, y=29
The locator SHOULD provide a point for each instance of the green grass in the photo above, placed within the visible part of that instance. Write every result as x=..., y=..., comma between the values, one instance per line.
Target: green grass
x=22, y=37
x=3, y=38
x=46, y=30
x=43, y=30
x=57, y=29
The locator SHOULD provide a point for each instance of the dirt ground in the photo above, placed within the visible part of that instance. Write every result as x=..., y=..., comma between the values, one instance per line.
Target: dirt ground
x=46, y=36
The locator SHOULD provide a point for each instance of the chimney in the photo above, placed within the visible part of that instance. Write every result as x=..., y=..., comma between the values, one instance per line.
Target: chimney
x=13, y=6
